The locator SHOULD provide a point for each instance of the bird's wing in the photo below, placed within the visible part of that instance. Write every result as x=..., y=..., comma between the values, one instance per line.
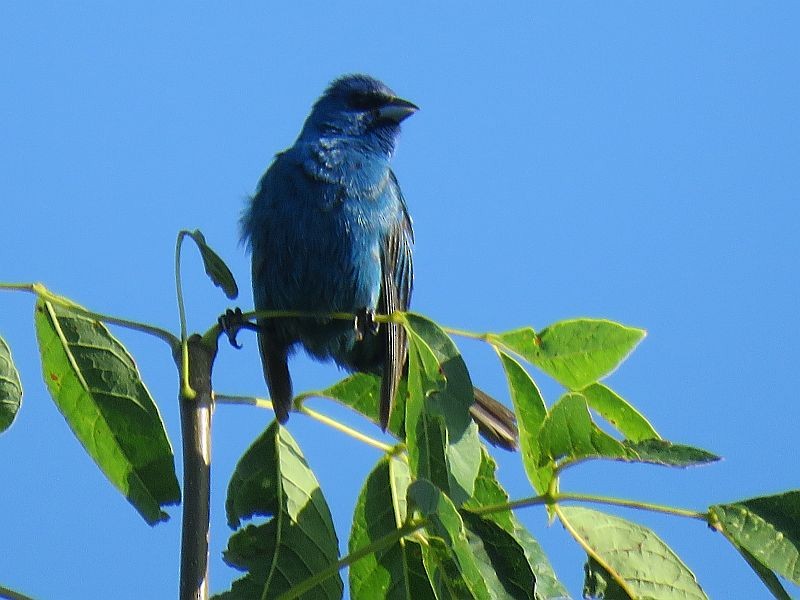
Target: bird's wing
x=397, y=282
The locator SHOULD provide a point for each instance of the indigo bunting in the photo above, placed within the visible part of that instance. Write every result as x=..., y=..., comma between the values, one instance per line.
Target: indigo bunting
x=329, y=232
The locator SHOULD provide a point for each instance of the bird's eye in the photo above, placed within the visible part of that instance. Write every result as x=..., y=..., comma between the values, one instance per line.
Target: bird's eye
x=365, y=100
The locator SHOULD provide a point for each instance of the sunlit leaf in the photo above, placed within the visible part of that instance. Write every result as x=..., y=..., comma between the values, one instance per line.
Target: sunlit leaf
x=272, y=479
x=637, y=560
x=768, y=528
x=614, y=409
x=361, y=392
x=396, y=572
x=442, y=439
x=575, y=352
x=10, y=387
x=97, y=387
x=215, y=267
x=531, y=412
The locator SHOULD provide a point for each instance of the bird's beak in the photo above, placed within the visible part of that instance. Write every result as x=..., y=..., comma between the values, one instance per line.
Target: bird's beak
x=397, y=110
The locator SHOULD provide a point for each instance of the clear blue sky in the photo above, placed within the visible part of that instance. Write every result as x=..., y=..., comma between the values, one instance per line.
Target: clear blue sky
x=630, y=160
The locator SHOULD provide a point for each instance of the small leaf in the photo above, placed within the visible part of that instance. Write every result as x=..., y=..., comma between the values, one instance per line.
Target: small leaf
x=272, y=479
x=451, y=566
x=638, y=561
x=97, y=387
x=531, y=412
x=215, y=267
x=768, y=528
x=396, y=571
x=10, y=388
x=489, y=492
x=662, y=452
x=361, y=392
x=628, y=421
x=438, y=422
x=568, y=434
x=576, y=352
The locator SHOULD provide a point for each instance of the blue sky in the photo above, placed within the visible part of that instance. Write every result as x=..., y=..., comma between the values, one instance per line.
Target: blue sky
x=635, y=161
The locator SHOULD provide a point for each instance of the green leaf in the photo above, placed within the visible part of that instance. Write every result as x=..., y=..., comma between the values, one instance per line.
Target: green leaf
x=598, y=583
x=97, y=387
x=489, y=492
x=448, y=558
x=634, y=557
x=396, y=572
x=614, y=409
x=272, y=479
x=10, y=388
x=576, y=352
x=441, y=437
x=500, y=559
x=215, y=267
x=568, y=434
x=667, y=454
x=768, y=528
x=531, y=412
x=768, y=578
x=361, y=392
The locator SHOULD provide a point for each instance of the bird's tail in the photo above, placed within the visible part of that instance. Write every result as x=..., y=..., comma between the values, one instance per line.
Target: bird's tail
x=495, y=422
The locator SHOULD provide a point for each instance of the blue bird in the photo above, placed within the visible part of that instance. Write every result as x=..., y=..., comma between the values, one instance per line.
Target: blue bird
x=329, y=232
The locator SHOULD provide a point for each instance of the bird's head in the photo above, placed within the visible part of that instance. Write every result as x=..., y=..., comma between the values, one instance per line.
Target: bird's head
x=361, y=108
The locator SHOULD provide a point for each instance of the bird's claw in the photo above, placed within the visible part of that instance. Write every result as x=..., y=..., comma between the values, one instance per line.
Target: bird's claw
x=364, y=323
x=232, y=322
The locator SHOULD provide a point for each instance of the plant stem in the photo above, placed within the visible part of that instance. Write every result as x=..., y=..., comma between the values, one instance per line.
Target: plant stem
x=249, y=400
x=42, y=292
x=484, y=337
x=347, y=430
x=376, y=546
x=196, y=437
x=561, y=497
x=326, y=420
x=660, y=508
x=186, y=389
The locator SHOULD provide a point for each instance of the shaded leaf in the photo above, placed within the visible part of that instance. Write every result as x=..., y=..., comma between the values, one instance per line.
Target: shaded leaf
x=662, y=452
x=10, y=388
x=396, y=572
x=451, y=566
x=531, y=412
x=768, y=528
x=215, y=267
x=96, y=386
x=598, y=583
x=500, y=559
x=575, y=352
x=441, y=437
x=272, y=479
x=489, y=492
x=614, y=409
x=634, y=557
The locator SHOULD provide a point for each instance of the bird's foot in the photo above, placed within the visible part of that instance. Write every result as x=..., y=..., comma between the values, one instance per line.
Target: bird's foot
x=232, y=322
x=365, y=323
